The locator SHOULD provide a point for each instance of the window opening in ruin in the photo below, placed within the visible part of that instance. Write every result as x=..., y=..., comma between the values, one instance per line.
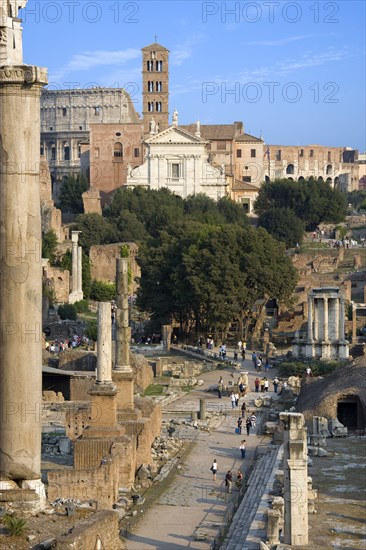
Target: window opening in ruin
x=278, y=154
x=97, y=111
x=311, y=153
x=329, y=156
x=329, y=169
x=238, y=153
x=53, y=152
x=253, y=153
x=42, y=151
x=290, y=169
x=51, y=128
x=64, y=111
x=247, y=179
x=301, y=152
x=80, y=127
x=136, y=152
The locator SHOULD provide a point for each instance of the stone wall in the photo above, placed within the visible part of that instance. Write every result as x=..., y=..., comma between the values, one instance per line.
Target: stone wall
x=100, y=484
x=143, y=373
x=79, y=360
x=98, y=531
x=103, y=262
x=92, y=202
x=80, y=386
x=59, y=280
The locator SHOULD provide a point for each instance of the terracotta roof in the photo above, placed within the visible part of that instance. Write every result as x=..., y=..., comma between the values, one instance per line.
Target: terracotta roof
x=214, y=131
x=155, y=46
x=244, y=186
x=248, y=138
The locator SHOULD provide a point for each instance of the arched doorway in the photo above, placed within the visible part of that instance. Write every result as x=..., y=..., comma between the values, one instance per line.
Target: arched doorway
x=350, y=412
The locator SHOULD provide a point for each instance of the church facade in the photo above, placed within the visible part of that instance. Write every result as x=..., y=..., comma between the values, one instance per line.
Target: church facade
x=177, y=159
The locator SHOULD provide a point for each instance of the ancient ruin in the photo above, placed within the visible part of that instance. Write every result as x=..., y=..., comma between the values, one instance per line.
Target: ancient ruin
x=326, y=326
x=77, y=274
x=20, y=263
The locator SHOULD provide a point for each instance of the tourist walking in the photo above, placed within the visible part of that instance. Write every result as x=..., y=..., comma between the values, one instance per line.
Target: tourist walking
x=239, y=479
x=214, y=469
x=237, y=397
x=243, y=409
x=232, y=399
x=256, y=385
x=229, y=481
x=266, y=365
x=266, y=384
x=262, y=382
x=254, y=359
x=242, y=448
x=275, y=384
x=220, y=387
x=248, y=425
x=239, y=424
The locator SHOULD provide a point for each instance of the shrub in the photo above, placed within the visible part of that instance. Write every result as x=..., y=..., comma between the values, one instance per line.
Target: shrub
x=15, y=526
x=102, y=291
x=298, y=368
x=67, y=311
x=82, y=306
x=92, y=330
x=153, y=390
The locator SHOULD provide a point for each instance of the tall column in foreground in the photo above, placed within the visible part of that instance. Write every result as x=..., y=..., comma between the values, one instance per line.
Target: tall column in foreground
x=123, y=374
x=20, y=255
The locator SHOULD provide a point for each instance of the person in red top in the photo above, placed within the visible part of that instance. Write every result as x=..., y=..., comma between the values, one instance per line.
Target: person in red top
x=256, y=384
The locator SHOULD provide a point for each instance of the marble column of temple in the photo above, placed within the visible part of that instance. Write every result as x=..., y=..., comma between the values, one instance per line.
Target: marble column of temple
x=20, y=257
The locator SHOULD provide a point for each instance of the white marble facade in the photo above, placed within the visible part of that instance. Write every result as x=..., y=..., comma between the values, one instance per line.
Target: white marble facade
x=178, y=160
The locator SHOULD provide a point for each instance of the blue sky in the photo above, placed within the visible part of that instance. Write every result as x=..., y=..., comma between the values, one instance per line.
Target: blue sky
x=294, y=71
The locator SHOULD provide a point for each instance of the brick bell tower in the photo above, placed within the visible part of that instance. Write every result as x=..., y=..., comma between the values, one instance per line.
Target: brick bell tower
x=155, y=88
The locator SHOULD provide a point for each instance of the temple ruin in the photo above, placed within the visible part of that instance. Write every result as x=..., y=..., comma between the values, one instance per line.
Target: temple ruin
x=326, y=327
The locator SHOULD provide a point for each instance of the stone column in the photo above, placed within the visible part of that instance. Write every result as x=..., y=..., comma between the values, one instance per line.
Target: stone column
x=273, y=526
x=104, y=349
x=316, y=320
x=310, y=318
x=336, y=318
x=123, y=373
x=354, y=323
x=20, y=262
x=295, y=479
x=341, y=334
x=80, y=272
x=326, y=318
x=123, y=331
x=202, y=409
x=75, y=295
x=166, y=336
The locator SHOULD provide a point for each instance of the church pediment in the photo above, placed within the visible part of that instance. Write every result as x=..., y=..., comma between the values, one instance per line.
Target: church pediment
x=174, y=134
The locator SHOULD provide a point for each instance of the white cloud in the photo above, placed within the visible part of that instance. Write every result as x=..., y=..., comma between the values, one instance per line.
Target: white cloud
x=278, y=42
x=88, y=60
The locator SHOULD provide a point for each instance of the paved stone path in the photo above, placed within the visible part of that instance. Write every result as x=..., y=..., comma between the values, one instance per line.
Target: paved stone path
x=194, y=506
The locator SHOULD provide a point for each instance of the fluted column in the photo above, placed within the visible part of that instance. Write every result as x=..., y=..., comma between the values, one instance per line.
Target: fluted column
x=310, y=318
x=341, y=319
x=20, y=267
x=326, y=318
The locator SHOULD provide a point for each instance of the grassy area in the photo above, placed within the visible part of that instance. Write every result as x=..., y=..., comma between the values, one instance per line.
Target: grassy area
x=154, y=390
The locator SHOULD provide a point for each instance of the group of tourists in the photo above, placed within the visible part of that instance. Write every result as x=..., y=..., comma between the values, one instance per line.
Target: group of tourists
x=58, y=346
x=259, y=362
x=228, y=477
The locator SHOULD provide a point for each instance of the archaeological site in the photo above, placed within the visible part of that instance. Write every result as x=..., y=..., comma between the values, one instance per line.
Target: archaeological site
x=177, y=369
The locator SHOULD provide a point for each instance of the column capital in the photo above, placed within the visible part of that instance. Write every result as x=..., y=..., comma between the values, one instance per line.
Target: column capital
x=23, y=74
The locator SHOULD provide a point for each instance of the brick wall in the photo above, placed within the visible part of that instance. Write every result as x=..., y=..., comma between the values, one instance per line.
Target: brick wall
x=98, y=531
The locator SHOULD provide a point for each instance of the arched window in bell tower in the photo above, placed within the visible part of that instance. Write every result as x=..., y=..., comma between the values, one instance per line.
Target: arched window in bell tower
x=150, y=106
x=150, y=65
x=158, y=107
x=159, y=66
x=150, y=86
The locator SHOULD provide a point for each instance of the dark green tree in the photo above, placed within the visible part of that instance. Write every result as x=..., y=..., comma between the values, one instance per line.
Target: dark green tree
x=95, y=230
x=66, y=263
x=283, y=225
x=49, y=246
x=70, y=199
x=312, y=201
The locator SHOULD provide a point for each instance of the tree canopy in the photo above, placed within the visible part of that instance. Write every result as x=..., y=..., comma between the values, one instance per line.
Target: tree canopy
x=312, y=201
x=283, y=225
x=70, y=199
